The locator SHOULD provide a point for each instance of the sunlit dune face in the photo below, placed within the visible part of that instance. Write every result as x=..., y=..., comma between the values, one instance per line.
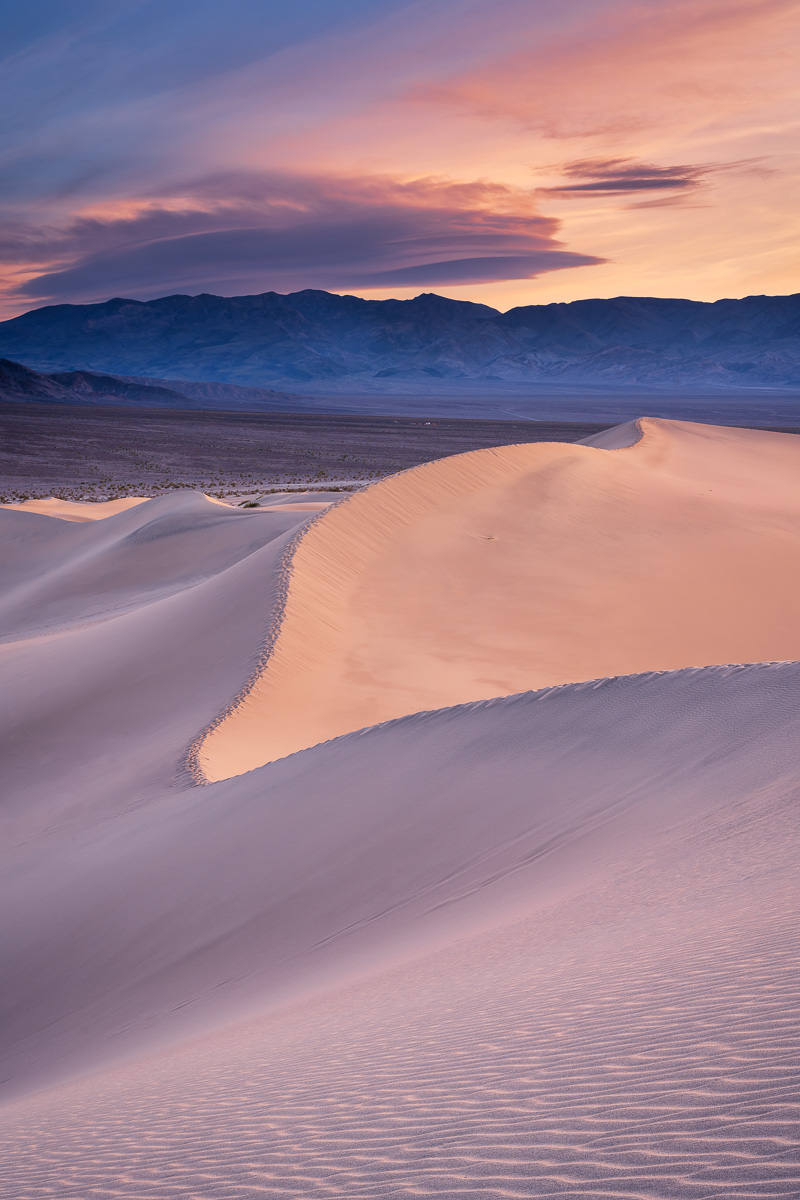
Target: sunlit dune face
x=523, y=567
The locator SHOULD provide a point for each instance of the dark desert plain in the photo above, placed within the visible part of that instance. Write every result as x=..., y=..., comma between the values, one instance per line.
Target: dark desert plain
x=103, y=452
x=399, y=576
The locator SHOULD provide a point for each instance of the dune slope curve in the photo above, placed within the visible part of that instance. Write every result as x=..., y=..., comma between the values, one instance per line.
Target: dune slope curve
x=563, y=929
x=120, y=638
x=525, y=566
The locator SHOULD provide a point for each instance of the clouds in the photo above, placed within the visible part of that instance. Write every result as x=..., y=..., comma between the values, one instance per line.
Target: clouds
x=625, y=177
x=280, y=232
x=620, y=178
x=95, y=94
x=383, y=146
x=627, y=68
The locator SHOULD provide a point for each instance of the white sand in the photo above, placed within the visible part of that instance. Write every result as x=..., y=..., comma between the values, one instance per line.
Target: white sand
x=545, y=945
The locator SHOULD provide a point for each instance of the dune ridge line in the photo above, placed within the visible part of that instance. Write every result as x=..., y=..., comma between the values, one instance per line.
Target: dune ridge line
x=509, y=569
x=191, y=770
x=193, y=764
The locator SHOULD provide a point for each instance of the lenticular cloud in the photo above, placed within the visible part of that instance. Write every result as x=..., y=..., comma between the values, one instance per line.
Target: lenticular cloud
x=253, y=233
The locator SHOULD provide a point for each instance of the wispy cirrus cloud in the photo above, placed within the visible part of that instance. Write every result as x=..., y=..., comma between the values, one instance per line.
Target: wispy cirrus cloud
x=629, y=67
x=272, y=231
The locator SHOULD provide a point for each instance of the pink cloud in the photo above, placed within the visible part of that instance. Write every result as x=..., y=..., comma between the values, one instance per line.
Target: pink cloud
x=631, y=66
x=258, y=232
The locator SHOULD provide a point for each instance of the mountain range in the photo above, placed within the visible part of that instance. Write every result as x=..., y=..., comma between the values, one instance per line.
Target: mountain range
x=22, y=384
x=318, y=342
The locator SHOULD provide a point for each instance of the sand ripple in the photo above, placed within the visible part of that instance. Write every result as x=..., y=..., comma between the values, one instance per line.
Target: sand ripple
x=661, y=1066
x=637, y=1038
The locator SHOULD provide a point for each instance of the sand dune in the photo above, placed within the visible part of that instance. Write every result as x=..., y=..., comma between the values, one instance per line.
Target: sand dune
x=308, y=506
x=519, y=567
x=306, y=501
x=76, y=510
x=539, y=945
x=611, y=1004
x=122, y=637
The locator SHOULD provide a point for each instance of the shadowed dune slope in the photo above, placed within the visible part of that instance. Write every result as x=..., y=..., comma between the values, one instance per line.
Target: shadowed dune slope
x=120, y=638
x=57, y=573
x=524, y=566
x=577, y=913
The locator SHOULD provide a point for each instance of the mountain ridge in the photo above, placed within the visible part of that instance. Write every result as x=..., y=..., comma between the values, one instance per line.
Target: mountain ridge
x=23, y=384
x=322, y=342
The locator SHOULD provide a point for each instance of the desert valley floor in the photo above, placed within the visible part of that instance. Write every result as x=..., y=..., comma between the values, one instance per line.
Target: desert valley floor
x=434, y=839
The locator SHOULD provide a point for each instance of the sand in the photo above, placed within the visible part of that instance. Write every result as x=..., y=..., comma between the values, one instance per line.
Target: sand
x=520, y=567
x=76, y=510
x=538, y=945
x=120, y=638
x=594, y=983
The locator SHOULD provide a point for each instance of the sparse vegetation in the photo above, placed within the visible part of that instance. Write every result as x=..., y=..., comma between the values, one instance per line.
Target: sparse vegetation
x=97, y=453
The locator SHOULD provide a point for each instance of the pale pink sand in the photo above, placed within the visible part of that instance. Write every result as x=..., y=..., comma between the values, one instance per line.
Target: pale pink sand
x=306, y=506
x=98, y=510
x=76, y=510
x=609, y=874
x=501, y=570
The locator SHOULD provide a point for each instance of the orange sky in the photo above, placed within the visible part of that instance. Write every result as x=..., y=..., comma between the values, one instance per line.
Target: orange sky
x=501, y=153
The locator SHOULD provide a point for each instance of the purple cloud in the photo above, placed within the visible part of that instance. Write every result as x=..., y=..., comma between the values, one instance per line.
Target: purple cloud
x=626, y=176
x=278, y=232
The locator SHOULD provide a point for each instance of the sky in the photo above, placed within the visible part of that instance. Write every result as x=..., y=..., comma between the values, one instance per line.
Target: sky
x=501, y=151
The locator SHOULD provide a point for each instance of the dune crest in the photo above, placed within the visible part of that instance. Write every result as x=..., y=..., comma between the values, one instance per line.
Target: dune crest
x=77, y=510
x=504, y=570
x=295, y=878
x=101, y=680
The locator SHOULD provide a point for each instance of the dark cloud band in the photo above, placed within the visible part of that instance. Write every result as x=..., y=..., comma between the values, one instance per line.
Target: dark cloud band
x=626, y=176
x=276, y=232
